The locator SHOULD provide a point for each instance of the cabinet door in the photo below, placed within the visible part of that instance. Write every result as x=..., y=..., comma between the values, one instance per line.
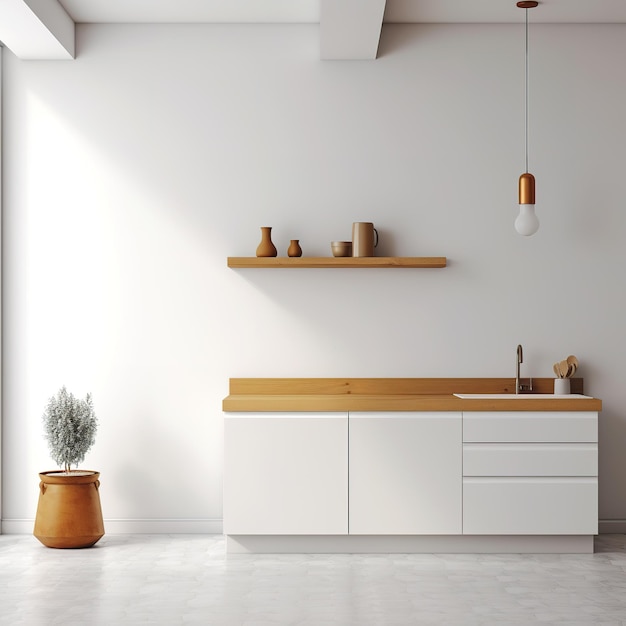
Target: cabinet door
x=286, y=474
x=405, y=473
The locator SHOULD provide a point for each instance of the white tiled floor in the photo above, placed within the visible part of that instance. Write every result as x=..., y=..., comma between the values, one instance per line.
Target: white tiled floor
x=189, y=579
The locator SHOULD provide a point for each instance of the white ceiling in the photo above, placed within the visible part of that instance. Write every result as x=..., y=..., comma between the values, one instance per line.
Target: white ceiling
x=308, y=11
x=349, y=29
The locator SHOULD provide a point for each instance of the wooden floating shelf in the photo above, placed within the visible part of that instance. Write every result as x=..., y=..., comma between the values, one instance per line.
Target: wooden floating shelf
x=323, y=262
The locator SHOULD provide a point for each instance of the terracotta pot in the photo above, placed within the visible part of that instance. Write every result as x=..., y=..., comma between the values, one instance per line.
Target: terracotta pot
x=69, y=513
x=266, y=247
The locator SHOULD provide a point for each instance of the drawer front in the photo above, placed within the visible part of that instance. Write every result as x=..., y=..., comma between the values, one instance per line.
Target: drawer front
x=530, y=506
x=520, y=426
x=530, y=459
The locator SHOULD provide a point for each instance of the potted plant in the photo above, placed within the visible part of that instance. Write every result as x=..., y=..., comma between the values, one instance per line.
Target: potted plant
x=69, y=513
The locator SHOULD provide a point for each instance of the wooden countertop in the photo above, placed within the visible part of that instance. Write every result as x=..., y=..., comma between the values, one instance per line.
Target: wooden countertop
x=398, y=394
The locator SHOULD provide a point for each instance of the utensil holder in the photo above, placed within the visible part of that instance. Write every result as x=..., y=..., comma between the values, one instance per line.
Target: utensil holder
x=561, y=386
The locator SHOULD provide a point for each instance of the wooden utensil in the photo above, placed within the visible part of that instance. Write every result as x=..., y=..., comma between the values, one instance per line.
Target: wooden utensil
x=563, y=366
x=573, y=363
x=555, y=369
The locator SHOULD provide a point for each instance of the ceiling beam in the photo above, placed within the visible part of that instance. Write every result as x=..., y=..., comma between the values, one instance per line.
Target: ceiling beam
x=37, y=29
x=350, y=29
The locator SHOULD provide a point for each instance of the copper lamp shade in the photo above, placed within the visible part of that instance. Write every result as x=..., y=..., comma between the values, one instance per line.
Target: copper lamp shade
x=527, y=189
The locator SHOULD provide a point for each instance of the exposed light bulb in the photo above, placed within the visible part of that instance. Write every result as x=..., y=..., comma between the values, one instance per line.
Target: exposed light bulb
x=526, y=223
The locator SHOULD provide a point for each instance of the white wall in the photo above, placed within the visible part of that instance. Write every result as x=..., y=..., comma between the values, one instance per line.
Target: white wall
x=132, y=173
x=1, y=50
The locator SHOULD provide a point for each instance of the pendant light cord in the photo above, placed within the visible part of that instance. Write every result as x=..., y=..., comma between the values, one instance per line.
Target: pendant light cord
x=526, y=103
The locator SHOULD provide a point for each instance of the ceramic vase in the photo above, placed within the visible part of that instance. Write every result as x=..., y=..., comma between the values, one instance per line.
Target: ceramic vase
x=294, y=248
x=266, y=247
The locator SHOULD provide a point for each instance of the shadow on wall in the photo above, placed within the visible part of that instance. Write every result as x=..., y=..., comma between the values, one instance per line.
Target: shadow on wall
x=394, y=37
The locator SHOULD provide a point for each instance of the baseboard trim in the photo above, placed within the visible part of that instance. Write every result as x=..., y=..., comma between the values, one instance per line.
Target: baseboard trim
x=421, y=544
x=132, y=526
x=205, y=526
x=612, y=527
x=17, y=526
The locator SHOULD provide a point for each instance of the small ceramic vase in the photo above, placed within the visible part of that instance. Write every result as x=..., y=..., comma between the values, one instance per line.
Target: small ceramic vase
x=294, y=248
x=266, y=247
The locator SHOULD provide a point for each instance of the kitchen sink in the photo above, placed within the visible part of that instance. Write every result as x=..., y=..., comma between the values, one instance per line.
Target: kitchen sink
x=520, y=396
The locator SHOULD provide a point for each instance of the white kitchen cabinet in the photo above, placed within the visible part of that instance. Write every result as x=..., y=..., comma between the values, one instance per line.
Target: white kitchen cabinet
x=438, y=480
x=286, y=474
x=405, y=473
x=530, y=473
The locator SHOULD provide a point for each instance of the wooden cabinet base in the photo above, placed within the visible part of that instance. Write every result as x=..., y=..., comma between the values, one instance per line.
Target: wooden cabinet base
x=69, y=513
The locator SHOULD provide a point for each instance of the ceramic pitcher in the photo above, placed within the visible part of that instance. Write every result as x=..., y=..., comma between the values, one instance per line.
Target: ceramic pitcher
x=364, y=239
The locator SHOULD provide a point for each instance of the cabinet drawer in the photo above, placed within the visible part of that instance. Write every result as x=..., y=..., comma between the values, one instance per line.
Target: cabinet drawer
x=536, y=426
x=530, y=459
x=530, y=506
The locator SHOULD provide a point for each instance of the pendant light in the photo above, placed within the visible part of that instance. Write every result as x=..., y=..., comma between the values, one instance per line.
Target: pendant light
x=526, y=222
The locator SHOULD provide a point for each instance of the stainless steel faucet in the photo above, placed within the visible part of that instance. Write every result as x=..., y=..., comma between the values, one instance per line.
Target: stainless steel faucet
x=519, y=387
